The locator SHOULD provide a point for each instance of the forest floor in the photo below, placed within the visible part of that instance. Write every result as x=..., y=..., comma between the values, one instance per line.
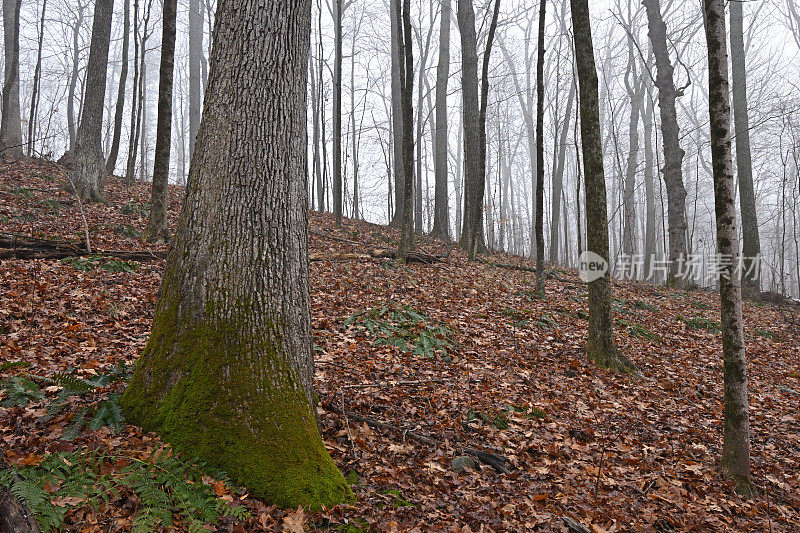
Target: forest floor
x=475, y=360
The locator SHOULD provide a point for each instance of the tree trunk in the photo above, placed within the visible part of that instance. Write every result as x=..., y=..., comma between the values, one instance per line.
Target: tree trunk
x=113, y=153
x=558, y=175
x=11, y=122
x=132, y=143
x=397, y=113
x=673, y=153
x=441, y=209
x=407, y=86
x=37, y=77
x=600, y=345
x=736, y=436
x=751, y=245
x=540, y=153
x=89, y=171
x=157, y=230
x=337, y=112
x=73, y=77
x=227, y=374
x=195, y=71
x=635, y=93
x=649, y=188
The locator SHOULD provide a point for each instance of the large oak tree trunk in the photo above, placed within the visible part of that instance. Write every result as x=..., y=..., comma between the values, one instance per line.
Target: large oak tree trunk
x=89, y=174
x=600, y=345
x=751, y=243
x=736, y=436
x=673, y=153
x=227, y=372
x=157, y=221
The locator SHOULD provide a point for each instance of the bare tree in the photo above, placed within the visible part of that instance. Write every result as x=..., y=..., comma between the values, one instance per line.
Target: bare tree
x=673, y=153
x=196, y=57
x=540, y=153
x=441, y=209
x=113, y=153
x=407, y=84
x=600, y=346
x=89, y=174
x=337, y=111
x=157, y=230
x=397, y=113
x=736, y=435
x=11, y=123
x=35, y=95
x=751, y=243
x=227, y=374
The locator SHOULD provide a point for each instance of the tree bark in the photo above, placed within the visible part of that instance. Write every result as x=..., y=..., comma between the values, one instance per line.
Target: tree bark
x=673, y=153
x=600, y=345
x=195, y=71
x=407, y=86
x=337, y=112
x=397, y=113
x=736, y=435
x=227, y=373
x=751, y=244
x=540, y=153
x=11, y=122
x=73, y=77
x=649, y=187
x=89, y=173
x=157, y=230
x=441, y=208
x=113, y=153
x=634, y=88
x=558, y=176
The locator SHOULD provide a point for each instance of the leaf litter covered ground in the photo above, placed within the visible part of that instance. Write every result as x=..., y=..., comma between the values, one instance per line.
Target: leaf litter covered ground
x=461, y=354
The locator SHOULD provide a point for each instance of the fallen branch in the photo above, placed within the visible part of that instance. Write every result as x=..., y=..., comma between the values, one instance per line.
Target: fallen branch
x=575, y=527
x=374, y=253
x=15, y=517
x=497, y=462
x=17, y=247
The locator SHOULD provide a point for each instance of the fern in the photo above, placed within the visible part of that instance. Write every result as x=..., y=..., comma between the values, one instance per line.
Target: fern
x=19, y=391
x=10, y=365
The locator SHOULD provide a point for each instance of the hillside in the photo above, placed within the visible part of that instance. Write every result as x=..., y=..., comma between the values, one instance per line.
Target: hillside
x=471, y=359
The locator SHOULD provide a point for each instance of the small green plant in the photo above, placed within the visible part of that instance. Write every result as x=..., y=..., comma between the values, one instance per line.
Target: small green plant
x=642, y=306
x=498, y=420
x=398, y=500
x=135, y=209
x=639, y=331
x=702, y=323
x=165, y=485
x=766, y=333
x=403, y=327
x=699, y=305
x=11, y=365
x=53, y=206
x=21, y=191
x=19, y=391
x=126, y=230
x=93, y=262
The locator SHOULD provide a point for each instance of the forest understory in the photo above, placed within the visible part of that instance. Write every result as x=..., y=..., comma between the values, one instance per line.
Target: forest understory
x=419, y=369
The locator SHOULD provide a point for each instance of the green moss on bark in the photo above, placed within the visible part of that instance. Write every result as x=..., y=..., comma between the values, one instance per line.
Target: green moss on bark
x=237, y=404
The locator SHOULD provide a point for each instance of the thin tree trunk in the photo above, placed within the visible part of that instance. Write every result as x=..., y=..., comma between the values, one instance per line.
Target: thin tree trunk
x=441, y=209
x=673, y=153
x=35, y=97
x=195, y=71
x=227, y=373
x=540, y=289
x=89, y=174
x=337, y=113
x=650, y=245
x=558, y=175
x=751, y=244
x=600, y=346
x=397, y=113
x=73, y=78
x=113, y=153
x=736, y=435
x=132, y=142
x=157, y=230
x=407, y=84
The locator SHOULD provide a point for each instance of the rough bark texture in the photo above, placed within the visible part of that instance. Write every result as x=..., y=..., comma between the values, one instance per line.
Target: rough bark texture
x=736, y=436
x=113, y=153
x=540, y=153
x=407, y=86
x=227, y=373
x=195, y=71
x=11, y=122
x=649, y=186
x=89, y=174
x=156, y=230
x=751, y=243
x=441, y=208
x=600, y=344
x=634, y=87
x=673, y=153
x=469, y=94
x=337, y=112
x=397, y=113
